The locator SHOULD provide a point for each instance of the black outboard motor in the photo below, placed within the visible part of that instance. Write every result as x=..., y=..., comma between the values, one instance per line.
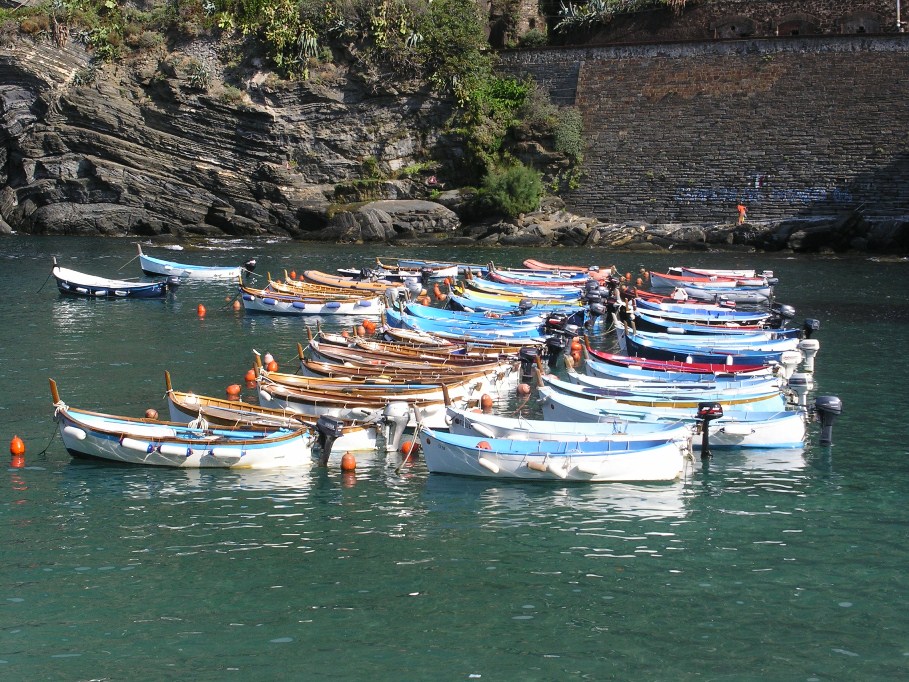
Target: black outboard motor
x=707, y=412
x=596, y=310
x=529, y=358
x=329, y=430
x=425, y=275
x=555, y=345
x=780, y=314
x=524, y=305
x=828, y=407
x=555, y=322
x=250, y=265
x=811, y=325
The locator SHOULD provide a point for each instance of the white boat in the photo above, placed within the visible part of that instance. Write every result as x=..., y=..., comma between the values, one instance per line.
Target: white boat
x=471, y=423
x=275, y=303
x=553, y=460
x=95, y=435
x=158, y=266
x=735, y=429
x=75, y=283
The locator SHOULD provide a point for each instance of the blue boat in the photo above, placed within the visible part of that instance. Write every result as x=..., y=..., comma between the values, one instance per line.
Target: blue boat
x=75, y=283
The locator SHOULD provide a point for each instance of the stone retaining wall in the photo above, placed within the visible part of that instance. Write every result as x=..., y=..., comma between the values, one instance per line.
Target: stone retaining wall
x=682, y=132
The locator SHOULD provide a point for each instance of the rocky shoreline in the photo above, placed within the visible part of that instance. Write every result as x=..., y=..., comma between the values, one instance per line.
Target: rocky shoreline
x=405, y=221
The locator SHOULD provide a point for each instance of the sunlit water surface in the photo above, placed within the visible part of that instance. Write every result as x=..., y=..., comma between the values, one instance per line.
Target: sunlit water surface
x=765, y=565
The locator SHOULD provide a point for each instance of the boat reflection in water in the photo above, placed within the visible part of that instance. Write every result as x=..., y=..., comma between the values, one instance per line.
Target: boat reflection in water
x=516, y=503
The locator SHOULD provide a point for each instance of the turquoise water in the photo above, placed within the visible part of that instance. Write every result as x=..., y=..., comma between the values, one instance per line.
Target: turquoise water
x=785, y=565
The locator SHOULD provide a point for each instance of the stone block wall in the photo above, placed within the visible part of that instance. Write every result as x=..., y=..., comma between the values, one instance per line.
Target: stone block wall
x=683, y=132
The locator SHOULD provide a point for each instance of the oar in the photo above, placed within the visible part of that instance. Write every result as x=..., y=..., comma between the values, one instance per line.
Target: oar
x=127, y=263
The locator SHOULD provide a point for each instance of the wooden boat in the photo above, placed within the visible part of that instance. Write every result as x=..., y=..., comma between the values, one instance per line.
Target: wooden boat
x=74, y=283
x=186, y=407
x=735, y=429
x=339, y=282
x=379, y=358
x=480, y=300
x=595, y=271
x=427, y=270
x=158, y=266
x=565, y=295
x=560, y=460
x=274, y=303
x=95, y=435
x=470, y=423
x=320, y=404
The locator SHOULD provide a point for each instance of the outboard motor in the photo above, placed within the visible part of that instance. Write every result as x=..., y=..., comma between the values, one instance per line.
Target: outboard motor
x=425, y=275
x=789, y=361
x=828, y=407
x=555, y=323
x=707, y=412
x=524, y=305
x=811, y=325
x=801, y=383
x=173, y=282
x=250, y=265
x=555, y=345
x=596, y=310
x=809, y=348
x=780, y=314
x=329, y=430
x=528, y=357
x=396, y=415
x=413, y=286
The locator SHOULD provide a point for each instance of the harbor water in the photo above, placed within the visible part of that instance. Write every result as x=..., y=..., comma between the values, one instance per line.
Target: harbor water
x=767, y=565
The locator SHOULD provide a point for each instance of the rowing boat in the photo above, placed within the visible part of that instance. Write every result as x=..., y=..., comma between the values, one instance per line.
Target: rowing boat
x=75, y=283
x=157, y=266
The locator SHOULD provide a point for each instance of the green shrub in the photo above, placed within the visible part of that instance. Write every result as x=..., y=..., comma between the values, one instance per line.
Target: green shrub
x=569, y=134
x=533, y=38
x=510, y=191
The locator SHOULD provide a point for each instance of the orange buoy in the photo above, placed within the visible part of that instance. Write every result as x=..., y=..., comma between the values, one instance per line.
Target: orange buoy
x=151, y=413
x=369, y=326
x=293, y=274
x=483, y=445
x=486, y=403
x=576, y=356
x=200, y=310
x=576, y=344
x=250, y=376
x=233, y=391
x=348, y=462
x=237, y=305
x=345, y=334
x=410, y=448
x=523, y=389
x=272, y=366
x=16, y=447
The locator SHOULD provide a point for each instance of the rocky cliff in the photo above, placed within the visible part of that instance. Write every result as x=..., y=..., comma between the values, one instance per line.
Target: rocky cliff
x=159, y=145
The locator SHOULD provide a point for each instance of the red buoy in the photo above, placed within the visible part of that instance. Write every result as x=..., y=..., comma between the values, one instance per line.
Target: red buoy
x=483, y=445
x=486, y=403
x=293, y=274
x=272, y=366
x=410, y=448
x=523, y=389
x=200, y=310
x=348, y=462
x=250, y=375
x=233, y=391
x=16, y=447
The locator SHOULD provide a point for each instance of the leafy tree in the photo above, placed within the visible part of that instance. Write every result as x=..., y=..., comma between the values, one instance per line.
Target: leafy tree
x=510, y=191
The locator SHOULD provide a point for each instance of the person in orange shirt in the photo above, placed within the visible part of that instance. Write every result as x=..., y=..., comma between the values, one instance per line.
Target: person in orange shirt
x=742, y=213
